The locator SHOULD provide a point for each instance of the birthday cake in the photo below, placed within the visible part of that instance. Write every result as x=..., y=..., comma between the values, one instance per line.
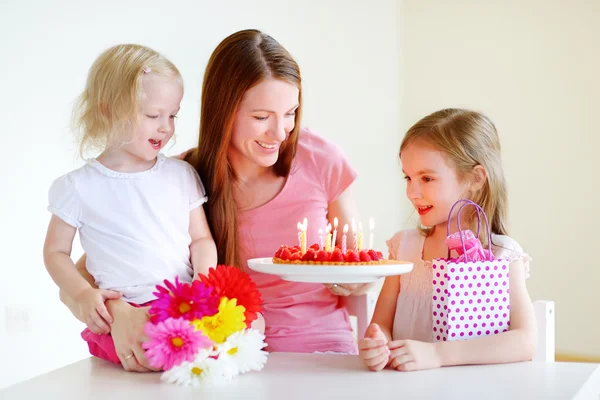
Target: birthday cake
x=319, y=256
x=325, y=253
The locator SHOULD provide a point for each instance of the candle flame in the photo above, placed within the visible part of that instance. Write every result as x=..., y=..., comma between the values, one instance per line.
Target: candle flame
x=346, y=228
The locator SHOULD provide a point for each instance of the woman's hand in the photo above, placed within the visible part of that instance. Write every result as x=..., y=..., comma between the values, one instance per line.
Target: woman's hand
x=128, y=335
x=349, y=289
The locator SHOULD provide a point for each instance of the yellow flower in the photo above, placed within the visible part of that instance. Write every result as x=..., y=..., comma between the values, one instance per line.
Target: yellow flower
x=228, y=320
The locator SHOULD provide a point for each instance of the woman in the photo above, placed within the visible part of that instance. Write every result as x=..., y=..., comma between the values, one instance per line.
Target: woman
x=263, y=173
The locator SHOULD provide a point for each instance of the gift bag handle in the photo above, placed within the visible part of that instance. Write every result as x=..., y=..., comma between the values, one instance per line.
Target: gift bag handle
x=479, y=210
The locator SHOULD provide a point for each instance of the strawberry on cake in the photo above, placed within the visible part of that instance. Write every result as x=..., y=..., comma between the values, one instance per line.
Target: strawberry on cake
x=317, y=255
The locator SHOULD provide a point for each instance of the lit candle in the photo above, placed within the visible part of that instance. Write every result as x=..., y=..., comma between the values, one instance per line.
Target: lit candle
x=300, y=234
x=303, y=245
x=371, y=229
x=328, y=238
x=344, y=248
x=360, y=236
x=320, y=239
x=354, y=236
x=334, y=239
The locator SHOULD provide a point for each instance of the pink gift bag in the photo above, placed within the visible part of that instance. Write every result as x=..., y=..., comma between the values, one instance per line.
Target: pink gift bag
x=470, y=292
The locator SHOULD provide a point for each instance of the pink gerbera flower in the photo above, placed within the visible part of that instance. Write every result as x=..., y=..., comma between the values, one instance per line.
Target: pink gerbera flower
x=173, y=341
x=183, y=300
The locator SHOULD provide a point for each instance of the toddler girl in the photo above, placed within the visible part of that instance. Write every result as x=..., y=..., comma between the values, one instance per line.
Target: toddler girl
x=139, y=214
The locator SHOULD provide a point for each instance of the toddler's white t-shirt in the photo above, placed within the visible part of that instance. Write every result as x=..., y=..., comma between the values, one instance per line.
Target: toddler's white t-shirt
x=134, y=227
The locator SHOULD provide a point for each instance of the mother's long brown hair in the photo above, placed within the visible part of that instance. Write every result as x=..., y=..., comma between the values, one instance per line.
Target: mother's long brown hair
x=239, y=62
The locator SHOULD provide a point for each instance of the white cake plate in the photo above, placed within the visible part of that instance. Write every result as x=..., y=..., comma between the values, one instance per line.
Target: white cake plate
x=330, y=273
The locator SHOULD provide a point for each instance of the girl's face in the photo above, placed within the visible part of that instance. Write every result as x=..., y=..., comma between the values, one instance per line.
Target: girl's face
x=432, y=183
x=160, y=105
x=262, y=122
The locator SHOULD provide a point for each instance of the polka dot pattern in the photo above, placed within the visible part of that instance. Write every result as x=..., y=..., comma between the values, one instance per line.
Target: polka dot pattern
x=488, y=288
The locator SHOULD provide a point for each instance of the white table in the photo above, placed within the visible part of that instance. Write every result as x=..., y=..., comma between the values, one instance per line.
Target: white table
x=323, y=376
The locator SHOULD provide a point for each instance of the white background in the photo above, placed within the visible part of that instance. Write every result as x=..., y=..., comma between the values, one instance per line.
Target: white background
x=370, y=70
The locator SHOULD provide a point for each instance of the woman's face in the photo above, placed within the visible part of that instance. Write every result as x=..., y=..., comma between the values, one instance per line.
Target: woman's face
x=262, y=122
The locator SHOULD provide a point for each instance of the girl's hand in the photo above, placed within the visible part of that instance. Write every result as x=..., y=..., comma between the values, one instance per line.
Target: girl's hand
x=128, y=336
x=373, y=349
x=93, y=311
x=412, y=355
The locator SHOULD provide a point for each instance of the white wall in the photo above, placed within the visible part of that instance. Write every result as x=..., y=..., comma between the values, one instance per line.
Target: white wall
x=532, y=66
x=349, y=55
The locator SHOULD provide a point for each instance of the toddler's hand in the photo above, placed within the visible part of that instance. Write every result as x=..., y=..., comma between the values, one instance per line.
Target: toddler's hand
x=412, y=355
x=373, y=349
x=93, y=311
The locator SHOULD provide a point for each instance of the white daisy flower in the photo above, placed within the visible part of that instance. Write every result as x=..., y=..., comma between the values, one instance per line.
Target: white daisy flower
x=203, y=371
x=243, y=350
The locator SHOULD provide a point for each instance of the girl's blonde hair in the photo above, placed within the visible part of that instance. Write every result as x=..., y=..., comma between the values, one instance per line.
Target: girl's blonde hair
x=108, y=108
x=469, y=139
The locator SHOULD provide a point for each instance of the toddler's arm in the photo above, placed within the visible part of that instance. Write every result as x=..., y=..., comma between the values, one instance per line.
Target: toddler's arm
x=57, y=258
x=203, y=250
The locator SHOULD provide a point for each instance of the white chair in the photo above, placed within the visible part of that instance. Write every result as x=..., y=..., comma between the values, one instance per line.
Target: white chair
x=362, y=307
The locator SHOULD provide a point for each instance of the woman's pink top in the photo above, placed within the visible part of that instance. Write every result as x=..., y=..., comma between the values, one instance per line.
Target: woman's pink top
x=300, y=317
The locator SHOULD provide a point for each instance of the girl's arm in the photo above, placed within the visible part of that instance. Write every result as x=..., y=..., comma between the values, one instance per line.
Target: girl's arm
x=518, y=344
x=385, y=310
x=373, y=348
x=203, y=251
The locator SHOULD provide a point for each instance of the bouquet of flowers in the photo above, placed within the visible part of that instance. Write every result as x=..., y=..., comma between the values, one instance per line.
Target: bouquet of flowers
x=200, y=334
